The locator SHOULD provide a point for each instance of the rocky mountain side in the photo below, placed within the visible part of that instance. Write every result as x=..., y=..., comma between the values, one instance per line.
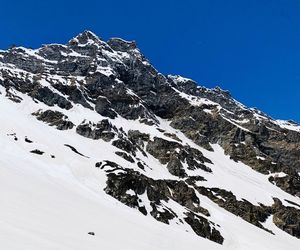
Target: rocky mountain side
x=166, y=142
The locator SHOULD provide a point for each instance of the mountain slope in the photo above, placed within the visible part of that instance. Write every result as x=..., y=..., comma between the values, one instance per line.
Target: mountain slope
x=90, y=126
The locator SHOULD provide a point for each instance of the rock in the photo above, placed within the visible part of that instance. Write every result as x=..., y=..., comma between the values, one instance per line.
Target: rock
x=289, y=183
x=28, y=140
x=175, y=167
x=173, y=154
x=45, y=95
x=103, y=107
x=125, y=156
x=126, y=145
x=102, y=130
x=137, y=137
x=54, y=118
x=36, y=151
x=246, y=210
x=203, y=228
x=286, y=218
x=124, y=180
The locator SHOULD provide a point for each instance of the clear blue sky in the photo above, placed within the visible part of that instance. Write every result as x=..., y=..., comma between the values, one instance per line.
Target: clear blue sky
x=251, y=48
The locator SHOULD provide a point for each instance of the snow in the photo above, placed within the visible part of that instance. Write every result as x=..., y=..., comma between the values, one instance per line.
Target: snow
x=51, y=203
x=108, y=71
x=285, y=237
x=179, y=79
x=260, y=158
x=235, y=124
x=279, y=175
x=33, y=53
x=195, y=100
x=74, y=54
x=288, y=125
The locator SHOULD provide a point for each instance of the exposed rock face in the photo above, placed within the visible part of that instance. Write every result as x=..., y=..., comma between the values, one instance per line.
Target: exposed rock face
x=129, y=186
x=54, y=118
x=253, y=214
x=202, y=228
x=102, y=130
x=289, y=183
x=286, y=218
x=173, y=154
x=112, y=82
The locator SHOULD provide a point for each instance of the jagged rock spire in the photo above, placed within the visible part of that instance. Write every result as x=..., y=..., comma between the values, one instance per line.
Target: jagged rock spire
x=85, y=37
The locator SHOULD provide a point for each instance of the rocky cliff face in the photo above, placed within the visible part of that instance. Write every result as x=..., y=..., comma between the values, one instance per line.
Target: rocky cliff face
x=180, y=120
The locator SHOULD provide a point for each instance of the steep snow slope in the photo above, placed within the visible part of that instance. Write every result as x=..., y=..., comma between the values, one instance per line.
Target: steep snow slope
x=52, y=203
x=94, y=139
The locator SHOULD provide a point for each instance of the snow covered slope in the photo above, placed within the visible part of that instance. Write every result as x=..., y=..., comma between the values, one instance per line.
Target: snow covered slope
x=94, y=139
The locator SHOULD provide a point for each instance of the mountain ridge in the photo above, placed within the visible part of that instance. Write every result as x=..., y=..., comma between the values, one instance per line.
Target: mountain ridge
x=168, y=142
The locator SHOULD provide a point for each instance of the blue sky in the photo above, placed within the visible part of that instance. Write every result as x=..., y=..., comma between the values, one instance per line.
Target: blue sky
x=251, y=48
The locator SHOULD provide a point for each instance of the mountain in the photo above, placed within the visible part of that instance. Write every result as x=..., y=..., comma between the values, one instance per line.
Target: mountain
x=101, y=151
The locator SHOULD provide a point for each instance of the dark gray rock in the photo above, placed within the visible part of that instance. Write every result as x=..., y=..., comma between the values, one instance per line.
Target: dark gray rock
x=102, y=130
x=54, y=118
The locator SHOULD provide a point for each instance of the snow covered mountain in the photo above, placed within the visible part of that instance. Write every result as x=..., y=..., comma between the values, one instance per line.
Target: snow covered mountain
x=101, y=151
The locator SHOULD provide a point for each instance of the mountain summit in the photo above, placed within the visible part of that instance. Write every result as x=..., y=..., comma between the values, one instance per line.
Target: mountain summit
x=100, y=150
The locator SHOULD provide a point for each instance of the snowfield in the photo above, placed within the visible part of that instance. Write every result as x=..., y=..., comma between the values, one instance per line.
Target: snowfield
x=53, y=203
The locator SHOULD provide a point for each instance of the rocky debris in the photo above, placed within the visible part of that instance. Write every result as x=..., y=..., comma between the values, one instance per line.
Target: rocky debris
x=54, y=118
x=175, y=154
x=75, y=150
x=37, y=151
x=102, y=130
x=286, y=218
x=242, y=208
x=91, y=233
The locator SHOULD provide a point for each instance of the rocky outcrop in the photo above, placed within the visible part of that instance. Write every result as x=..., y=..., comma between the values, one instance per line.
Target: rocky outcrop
x=134, y=189
x=286, y=218
x=175, y=154
x=114, y=80
x=289, y=183
x=54, y=118
x=102, y=130
x=242, y=208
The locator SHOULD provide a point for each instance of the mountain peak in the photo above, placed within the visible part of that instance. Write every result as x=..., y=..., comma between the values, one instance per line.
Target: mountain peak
x=85, y=37
x=96, y=119
x=120, y=44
